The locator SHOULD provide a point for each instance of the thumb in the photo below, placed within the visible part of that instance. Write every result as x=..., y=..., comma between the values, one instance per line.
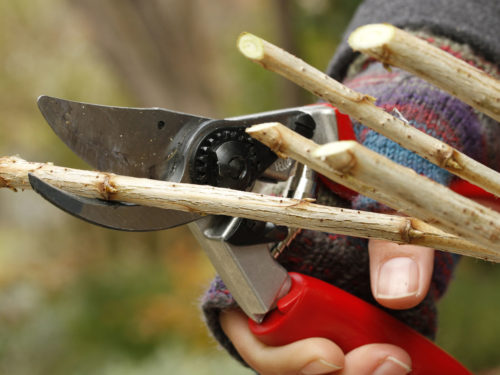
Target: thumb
x=400, y=275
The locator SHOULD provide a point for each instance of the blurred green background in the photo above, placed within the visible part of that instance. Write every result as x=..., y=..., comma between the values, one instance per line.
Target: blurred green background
x=77, y=299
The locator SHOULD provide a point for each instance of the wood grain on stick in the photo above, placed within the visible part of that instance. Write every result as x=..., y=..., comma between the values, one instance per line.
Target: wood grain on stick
x=362, y=108
x=211, y=200
x=396, y=47
x=399, y=187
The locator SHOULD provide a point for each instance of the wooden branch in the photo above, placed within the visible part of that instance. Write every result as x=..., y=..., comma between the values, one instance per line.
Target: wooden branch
x=361, y=108
x=377, y=177
x=211, y=200
x=396, y=47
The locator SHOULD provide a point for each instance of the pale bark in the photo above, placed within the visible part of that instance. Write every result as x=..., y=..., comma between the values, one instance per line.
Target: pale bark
x=399, y=48
x=212, y=200
x=377, y=177
x=361, y=108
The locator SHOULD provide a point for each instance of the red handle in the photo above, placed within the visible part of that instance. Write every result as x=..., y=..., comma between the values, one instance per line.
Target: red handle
x=314, y=308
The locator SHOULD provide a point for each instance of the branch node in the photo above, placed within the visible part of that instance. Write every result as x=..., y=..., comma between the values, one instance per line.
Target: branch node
x=106, y=187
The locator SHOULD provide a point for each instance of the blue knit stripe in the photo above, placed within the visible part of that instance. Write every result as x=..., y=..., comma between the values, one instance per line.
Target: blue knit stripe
x=427, y=109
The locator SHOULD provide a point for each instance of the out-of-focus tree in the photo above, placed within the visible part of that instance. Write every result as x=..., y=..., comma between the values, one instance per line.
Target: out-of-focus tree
x=180, y=54
x=173, y=53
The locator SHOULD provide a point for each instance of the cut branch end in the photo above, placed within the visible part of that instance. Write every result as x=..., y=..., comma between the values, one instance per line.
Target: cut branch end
x=371, y=36
x=251, y=46
x=269, y=133
x=339, y=154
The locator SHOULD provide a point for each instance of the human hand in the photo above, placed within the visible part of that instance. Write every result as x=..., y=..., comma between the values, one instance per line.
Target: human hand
x=400, y=278
x=311, y=356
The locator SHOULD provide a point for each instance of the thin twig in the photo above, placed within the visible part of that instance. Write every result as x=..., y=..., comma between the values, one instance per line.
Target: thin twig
x=212, y=200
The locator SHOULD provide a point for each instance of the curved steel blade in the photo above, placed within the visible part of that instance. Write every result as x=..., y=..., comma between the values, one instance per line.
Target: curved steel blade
x=114, y=215
x=130, y=141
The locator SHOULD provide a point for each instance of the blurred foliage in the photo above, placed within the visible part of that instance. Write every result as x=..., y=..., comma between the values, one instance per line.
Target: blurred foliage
x=79, y=299
x=469, y=315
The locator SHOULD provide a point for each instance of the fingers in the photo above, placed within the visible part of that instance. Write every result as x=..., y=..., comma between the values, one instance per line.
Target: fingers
x=400, y=274
x=377, y=359
x=312, y=356
x=308, y=357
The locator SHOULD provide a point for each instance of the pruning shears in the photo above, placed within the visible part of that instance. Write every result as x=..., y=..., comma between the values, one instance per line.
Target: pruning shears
x=165, y=145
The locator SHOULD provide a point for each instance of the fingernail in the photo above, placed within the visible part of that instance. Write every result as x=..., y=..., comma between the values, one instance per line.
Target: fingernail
x=397, y=278
x=318, y=367
x=392, y=366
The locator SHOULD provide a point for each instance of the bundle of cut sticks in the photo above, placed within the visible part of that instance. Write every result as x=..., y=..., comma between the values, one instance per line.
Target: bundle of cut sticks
x=435, y=216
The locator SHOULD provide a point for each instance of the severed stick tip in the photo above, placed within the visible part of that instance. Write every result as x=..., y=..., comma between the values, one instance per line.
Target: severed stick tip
x=338, y=155
x=334, y=148
x=371, y=36
x=251, y=46
x=270, y=134
x=259, y=128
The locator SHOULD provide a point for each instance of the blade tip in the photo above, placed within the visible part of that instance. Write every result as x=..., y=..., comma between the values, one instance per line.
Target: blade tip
x=42, y=98
x=42, y=102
